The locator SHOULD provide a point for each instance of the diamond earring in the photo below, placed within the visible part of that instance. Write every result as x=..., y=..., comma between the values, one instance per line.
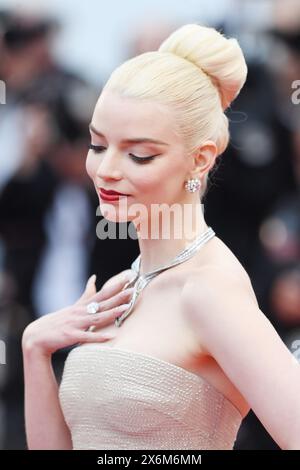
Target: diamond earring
x=192, y=185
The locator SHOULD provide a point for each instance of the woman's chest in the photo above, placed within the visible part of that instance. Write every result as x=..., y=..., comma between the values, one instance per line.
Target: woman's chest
x=157, y=325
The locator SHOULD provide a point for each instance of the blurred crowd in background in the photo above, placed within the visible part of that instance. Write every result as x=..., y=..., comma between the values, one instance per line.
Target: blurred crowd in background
x=48, y=242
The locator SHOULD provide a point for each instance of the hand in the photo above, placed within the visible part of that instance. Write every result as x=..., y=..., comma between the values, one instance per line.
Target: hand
x=69, y=325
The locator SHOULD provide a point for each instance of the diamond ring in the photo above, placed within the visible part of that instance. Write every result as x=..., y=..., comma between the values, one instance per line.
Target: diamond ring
x=92, y=307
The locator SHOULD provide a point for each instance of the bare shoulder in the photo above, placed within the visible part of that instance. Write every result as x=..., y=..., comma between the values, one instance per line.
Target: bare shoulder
x=221, y=282
x=222, y=309
x=217, y=271
x=223, y=261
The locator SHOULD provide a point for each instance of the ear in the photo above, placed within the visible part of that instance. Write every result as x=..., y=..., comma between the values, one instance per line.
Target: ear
x=204, y=159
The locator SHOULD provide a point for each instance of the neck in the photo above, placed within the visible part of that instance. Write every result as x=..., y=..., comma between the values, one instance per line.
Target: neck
x=160, y=243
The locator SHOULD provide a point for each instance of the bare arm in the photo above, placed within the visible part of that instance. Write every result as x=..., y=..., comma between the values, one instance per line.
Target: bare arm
x=44, y=420
x=225, y=314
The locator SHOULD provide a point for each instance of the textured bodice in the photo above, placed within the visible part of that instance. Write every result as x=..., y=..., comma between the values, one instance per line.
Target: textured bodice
x=114, y=398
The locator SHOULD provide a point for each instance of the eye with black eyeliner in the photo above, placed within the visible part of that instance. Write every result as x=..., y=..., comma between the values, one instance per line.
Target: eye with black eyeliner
x=141, y=159
x=100, y=148
x=96, y=148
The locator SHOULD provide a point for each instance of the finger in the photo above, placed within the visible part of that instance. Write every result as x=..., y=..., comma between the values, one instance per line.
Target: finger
x=102, y=319
x=94, y=337
x=124, y=276
x=89, y=290
x=111, y=289
x=120, y=298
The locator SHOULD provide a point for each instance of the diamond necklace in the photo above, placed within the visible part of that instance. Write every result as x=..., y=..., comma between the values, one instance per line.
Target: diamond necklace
x=140, y=281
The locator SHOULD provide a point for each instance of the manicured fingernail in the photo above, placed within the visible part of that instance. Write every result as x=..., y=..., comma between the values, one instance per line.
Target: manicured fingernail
x=130, y=290
x=124, y=306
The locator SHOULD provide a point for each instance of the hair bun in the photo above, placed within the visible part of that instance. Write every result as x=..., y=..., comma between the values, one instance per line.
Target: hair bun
x=220, y=58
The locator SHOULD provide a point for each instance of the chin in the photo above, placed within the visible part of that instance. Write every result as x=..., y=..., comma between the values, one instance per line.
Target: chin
x=113, y=213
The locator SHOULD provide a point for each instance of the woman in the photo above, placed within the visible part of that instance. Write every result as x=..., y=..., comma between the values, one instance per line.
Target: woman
x=192, y=352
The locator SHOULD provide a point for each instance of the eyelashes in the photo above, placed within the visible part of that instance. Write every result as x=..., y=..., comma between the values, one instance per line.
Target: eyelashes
x=96, y=148
x=100, y=149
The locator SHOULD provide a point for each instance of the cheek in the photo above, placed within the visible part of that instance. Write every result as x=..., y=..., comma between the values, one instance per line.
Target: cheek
x=160, y=177
x=90, y=166
x=148, y=183
x=146, y=180
x=156, y=184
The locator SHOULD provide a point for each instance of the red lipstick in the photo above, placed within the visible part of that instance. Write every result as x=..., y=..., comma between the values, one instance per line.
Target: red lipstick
x=110, y=195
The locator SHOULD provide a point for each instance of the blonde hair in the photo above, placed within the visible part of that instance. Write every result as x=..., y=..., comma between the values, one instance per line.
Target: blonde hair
x=196, y=71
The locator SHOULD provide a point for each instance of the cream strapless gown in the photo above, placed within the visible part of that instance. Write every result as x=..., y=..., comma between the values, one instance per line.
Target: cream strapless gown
x=113, y=398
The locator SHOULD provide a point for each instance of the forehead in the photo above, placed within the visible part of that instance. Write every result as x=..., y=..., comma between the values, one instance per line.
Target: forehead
x=132, y=117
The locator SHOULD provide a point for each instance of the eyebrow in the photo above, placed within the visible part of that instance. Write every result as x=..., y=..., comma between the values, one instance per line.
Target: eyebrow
x=133, y=140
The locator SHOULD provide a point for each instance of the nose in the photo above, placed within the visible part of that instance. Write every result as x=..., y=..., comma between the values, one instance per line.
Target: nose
x=109, y=166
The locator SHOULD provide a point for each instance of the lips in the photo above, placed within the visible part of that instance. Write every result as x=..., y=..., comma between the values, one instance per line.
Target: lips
x=110, y=195
x=109, y=192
